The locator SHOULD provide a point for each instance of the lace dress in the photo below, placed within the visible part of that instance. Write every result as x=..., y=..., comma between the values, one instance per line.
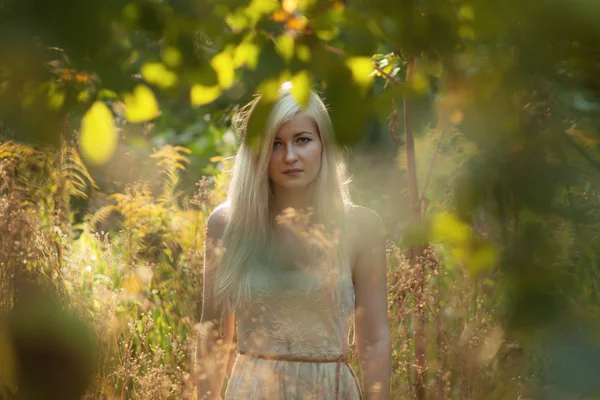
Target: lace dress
x=293, y=337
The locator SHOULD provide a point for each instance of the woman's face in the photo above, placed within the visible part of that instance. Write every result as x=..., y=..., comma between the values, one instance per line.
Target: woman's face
x=296, y=157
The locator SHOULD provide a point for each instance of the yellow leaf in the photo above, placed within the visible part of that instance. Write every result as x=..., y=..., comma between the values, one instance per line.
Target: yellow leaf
x=141, y=105
x=98, y=137
x=223, y=64
x=171, y=56
x=200, y=95
x=216, y=159
x=246, y=54
x=236, y=21
x=301, y=84
x=361, y=68
x=447, y=227
x=285, y=46
x=157, y=74
x=270, y=89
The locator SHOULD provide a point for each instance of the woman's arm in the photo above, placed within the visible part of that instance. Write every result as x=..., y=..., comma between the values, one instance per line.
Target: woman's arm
x=372, y=329
x=214, y=341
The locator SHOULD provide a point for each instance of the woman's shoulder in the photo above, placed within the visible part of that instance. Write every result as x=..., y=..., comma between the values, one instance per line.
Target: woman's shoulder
x=217, y=220
x=364, y=217
x=363, y=225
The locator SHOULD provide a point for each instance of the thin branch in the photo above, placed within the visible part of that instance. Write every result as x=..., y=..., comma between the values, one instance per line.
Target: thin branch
x=387, y=76
x=335, y=50
x=429, y=171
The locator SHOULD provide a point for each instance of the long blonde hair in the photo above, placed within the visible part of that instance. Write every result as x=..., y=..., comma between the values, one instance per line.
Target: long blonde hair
x=250, y=199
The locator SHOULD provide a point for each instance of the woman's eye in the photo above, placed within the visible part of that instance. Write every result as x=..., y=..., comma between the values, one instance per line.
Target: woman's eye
x=304, y=140
x=276, y=144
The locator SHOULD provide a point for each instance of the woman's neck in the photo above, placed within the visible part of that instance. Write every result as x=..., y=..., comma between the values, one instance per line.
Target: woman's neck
x=285, y=198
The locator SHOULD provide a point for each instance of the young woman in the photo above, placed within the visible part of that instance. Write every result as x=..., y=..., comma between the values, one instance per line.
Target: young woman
x=294, y=261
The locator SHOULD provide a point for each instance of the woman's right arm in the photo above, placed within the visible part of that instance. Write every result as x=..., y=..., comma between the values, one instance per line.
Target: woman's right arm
x=214, y=341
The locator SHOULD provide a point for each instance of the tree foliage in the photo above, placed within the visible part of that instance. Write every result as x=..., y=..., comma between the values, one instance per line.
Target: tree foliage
x=511, y=91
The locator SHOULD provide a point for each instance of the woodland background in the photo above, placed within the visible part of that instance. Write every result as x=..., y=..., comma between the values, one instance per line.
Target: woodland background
x=471, y=127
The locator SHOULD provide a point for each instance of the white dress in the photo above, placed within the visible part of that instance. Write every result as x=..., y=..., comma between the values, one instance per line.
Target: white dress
x=292, y=323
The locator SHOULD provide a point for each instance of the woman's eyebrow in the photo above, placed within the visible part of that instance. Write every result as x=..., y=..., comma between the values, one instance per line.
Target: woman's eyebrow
x=300, y=133
x=296, y=134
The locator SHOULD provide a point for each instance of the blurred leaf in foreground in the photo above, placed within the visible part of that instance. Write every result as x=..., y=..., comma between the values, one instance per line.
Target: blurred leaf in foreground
x=98, y=138
x=141, y=104
x=157, y=74
x=55, y=352
x=200, y=95
x=301, y=85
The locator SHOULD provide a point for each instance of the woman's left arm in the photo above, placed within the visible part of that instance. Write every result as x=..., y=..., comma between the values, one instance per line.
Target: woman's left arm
x=372, y=328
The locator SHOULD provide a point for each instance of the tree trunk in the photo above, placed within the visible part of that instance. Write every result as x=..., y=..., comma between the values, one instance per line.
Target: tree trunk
x=416, y=251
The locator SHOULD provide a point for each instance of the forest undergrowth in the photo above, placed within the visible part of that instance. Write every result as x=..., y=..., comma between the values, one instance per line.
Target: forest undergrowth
x=125, y=282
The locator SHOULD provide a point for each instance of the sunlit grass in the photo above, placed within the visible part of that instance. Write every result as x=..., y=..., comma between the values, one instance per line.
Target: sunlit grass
x=138, y=286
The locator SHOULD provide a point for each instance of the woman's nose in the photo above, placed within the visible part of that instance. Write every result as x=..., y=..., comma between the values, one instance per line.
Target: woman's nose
x=290, y=153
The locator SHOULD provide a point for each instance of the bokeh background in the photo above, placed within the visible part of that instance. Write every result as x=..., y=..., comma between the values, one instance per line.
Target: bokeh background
x=470, y=126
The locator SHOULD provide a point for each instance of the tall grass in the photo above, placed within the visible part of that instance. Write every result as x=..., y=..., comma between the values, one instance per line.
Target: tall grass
x=132, y=272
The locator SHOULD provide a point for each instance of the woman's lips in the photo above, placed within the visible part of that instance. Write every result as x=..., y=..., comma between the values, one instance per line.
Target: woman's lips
x=292, y=171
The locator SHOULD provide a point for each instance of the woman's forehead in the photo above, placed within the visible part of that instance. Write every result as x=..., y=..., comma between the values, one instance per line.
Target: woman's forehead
x=301, y=122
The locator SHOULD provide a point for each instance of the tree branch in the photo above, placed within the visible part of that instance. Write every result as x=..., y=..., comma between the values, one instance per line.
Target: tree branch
x=377, y=68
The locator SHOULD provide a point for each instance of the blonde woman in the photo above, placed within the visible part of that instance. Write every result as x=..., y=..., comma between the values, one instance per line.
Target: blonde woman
x=297, y=264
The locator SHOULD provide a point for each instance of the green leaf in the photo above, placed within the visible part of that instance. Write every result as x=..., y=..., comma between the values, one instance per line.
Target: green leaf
x=303, y=53
x=285, y=47
x=172, y=56
x=466, y=13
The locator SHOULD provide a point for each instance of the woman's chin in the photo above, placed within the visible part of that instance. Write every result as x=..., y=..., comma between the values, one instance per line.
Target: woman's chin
x=299, y=184
x=294, y=186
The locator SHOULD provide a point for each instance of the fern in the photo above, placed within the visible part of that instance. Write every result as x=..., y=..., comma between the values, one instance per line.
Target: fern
x=74, y=173
x=13, y=150
x=99, y=216
x=172, y=159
